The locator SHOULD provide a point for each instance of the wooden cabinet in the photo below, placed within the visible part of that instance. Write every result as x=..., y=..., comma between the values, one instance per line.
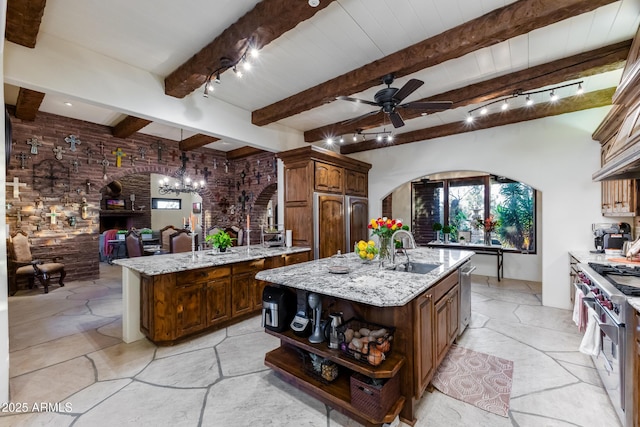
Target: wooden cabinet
x=423, y=341
x=356, y=183
x=243, y=286
x=331, y=223
x=619, y=197
x=328, y=178
x=175, y=305
x=310, y=172
x=358, y=214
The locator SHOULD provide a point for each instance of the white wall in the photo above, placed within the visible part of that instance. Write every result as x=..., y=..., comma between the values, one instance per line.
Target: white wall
x=555, y=155
x=4, y=315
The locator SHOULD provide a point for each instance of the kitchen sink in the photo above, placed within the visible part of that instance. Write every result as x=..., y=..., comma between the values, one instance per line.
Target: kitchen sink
x=417, y=267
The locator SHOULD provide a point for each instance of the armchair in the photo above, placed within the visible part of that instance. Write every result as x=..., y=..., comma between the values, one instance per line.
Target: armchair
x=133, y=242
x=165, y=235
x=22, y=264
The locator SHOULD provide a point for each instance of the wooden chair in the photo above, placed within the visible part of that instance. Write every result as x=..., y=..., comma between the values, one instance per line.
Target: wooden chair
x=181, y=241
x=22, y=264
x=165, y=236
x=133, y=242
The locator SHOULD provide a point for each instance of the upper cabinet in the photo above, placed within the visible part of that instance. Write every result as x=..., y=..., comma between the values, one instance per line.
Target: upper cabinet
x=356, y=183
x=328, y=178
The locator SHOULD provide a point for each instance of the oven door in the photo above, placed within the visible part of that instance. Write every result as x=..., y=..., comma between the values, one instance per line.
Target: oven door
x=610, y=360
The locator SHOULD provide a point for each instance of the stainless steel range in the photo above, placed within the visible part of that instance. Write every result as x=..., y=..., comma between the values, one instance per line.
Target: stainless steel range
x=606, y=288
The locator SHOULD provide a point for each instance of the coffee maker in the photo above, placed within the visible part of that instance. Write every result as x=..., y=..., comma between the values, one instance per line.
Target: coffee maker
x=277, y=308
x=610, y=236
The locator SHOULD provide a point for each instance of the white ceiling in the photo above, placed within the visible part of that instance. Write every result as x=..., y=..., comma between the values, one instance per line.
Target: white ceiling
x=159, y=35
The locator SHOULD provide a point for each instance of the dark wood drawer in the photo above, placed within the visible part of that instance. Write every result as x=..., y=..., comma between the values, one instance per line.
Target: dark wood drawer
x=244, y=267
x=297, y=258
x=202, y=275
x=442, y=287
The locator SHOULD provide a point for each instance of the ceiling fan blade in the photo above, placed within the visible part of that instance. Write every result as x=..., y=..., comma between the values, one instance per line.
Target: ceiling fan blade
x=433, y=105
x=396, y=120
x=355, y=119
x=406, y=90
x=362, y=101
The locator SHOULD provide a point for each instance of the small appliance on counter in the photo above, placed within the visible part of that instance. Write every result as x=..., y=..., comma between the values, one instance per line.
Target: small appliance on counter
x=301, y=323
x=277, y=308
x=609, y=236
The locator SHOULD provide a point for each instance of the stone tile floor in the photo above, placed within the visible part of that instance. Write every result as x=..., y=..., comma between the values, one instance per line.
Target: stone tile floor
x=66, y=349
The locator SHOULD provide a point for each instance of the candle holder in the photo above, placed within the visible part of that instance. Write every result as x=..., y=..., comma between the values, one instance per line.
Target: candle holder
x=248, y=240
x=193, y=246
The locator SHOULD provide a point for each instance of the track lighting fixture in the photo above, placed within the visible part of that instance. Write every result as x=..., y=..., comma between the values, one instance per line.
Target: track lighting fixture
x=229, y=64
x=379, y=136
x=553, y=96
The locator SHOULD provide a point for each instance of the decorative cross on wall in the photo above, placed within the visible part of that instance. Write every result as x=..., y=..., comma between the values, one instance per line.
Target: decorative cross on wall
x=58, y=151
x=215, y=164
x=23, y=159
x=34, y=143
x=203, y=158
x=226, y=166
x=269, y=178
x=184, y=158
x=142, y=151
x=197, y=169
x=119, y=155
x=101, y=145
x=158, y=146
x=243, y=199
x=74, y=165
x=104, y=164
x=88, y=184
x=66, y=200
x=258, y=176
x=52, y=215
x=16, y=184
x=73, y=141
x=206, y=173
x=243, y=175
x=132, y=160
x=89, y=154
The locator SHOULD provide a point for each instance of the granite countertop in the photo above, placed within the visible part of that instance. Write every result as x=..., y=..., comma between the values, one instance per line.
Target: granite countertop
x=366, y=282
x=172, y=263
x=586, y=257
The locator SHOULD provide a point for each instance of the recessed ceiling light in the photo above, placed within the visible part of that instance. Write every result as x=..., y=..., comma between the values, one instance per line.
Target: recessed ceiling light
x=68, y=104
x=314, y=3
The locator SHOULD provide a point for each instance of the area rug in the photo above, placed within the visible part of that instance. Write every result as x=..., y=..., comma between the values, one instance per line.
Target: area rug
x=476, y=378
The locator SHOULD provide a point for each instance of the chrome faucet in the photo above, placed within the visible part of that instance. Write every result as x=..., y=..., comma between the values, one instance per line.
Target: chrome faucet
x=412, y=243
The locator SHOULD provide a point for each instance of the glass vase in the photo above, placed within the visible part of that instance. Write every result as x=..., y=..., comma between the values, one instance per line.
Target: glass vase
x=385, y=252
x=487, y=238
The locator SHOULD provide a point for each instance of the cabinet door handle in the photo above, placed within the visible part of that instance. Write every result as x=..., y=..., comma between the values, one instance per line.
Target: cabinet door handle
x=427, y=296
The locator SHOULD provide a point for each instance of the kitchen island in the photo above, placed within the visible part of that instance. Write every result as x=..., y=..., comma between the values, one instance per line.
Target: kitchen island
x=169, y=297
x=423, y=309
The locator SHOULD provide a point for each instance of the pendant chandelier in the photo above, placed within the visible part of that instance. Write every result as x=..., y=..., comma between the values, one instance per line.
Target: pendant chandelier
x=183, y=184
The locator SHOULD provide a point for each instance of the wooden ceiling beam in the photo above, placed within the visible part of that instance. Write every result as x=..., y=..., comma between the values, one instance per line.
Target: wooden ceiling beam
x=241, y=152
x=23, y=21
x=575, y=67
x=128, y=126
x=518, y=18
x=196, y=141
x=28, y=104
x=571, y=104
x=267, y=21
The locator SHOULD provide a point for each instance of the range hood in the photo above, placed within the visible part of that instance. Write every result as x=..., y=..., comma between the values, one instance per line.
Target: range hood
x=625, y=165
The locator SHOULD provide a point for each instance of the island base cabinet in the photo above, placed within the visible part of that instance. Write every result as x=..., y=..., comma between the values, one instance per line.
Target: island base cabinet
x=190, y=307
x=423, y=341
x=218, y=301
x=446, y=323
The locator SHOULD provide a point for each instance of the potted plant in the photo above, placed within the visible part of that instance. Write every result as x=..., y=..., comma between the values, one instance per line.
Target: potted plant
x=221, y=240
x=446, y=230
x=146, y=233
x=437, y=227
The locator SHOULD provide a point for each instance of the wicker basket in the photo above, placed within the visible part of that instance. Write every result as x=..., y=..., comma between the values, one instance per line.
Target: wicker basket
x=381, y=343
x=374, y=400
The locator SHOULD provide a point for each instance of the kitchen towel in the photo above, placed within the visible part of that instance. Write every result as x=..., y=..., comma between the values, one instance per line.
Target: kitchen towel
x=579, y=311
x=288, y=238
x=591, y=341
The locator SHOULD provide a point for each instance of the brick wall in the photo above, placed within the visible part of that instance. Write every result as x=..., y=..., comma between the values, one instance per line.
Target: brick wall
x=87, y=178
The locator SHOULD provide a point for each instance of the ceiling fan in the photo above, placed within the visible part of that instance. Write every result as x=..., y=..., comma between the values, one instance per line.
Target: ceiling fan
x=389, y=98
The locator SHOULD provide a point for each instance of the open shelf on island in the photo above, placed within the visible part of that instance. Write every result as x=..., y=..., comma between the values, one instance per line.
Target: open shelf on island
x=386, y=369
x=286, y=362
